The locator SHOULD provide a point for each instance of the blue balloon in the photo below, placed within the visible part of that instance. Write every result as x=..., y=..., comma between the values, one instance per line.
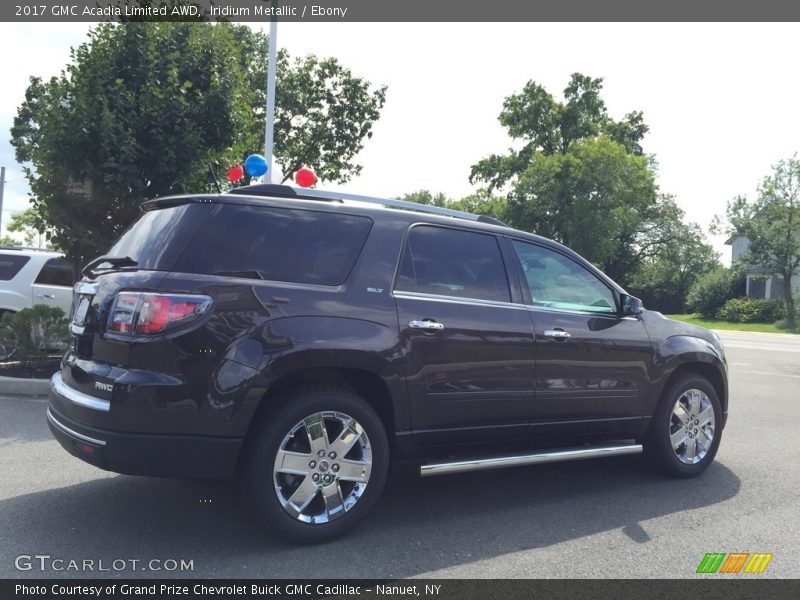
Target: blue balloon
x=255, y=165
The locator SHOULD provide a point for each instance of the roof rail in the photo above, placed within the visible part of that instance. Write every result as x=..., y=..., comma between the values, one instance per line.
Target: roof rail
x=306, y=194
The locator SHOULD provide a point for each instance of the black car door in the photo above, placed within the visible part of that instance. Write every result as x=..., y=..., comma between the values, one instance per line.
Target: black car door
x=468, y=349
x=592, y=363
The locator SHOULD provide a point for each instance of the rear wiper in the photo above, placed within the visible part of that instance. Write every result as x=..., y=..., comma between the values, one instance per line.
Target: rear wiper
x=114, y=261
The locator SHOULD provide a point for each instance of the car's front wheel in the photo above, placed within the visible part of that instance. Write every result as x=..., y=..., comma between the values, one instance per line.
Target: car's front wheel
x=318, y=465
x=685, y=430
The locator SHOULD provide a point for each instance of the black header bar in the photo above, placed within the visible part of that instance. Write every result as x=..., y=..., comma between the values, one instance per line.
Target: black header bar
x=336, y=11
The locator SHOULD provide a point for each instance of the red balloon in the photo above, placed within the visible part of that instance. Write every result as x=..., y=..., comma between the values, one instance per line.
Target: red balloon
x=235, y=173
x=305, y=177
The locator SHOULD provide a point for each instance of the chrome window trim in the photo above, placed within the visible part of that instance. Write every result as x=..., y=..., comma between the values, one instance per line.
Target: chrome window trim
x=492, y=303
x=586, y=313
x=58, y=386
x=456, y=300
x=59, y=425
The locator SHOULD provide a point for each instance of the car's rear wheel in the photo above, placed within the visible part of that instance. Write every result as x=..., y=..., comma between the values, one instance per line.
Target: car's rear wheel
x=318, y=465
x=685, y=431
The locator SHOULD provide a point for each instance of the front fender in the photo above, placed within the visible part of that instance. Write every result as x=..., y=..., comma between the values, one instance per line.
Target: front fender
x=679, y=351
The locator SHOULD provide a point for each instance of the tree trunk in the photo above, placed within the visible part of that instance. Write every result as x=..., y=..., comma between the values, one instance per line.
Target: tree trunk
x=791, y=317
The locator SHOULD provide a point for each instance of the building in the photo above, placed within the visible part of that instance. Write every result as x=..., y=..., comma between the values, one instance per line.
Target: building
x=759, y=284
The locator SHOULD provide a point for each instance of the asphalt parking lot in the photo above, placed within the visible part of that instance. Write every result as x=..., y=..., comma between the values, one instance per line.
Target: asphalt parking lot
x=603, y=518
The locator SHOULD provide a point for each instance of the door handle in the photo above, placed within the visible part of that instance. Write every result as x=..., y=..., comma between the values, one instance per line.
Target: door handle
x=558, y=334
x=426, y=325
x=51, y=296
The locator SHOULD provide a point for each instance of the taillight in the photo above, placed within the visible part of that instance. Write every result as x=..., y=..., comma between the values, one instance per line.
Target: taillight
x=123, y=312
x=142, y=313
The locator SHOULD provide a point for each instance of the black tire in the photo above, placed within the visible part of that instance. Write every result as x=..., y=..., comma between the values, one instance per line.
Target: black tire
x=658, y=448
x=271, y=434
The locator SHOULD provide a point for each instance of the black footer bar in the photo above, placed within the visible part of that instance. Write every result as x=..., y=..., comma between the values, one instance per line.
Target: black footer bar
x=706, y=587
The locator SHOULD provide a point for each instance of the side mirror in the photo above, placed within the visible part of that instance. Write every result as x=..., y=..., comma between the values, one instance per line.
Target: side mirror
x=631, y=305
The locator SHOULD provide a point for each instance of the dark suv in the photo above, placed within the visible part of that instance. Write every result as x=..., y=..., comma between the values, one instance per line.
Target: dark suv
x=301, y=339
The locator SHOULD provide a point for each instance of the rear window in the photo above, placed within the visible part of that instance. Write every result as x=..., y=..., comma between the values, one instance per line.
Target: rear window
x=10, y=264
x=277, y=244
x=156, y=239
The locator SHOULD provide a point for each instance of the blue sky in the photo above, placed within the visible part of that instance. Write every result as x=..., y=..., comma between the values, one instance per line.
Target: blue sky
x=720, y=99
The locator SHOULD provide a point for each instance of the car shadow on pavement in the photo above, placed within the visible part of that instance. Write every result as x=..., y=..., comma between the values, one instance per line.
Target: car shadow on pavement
x=420, y=525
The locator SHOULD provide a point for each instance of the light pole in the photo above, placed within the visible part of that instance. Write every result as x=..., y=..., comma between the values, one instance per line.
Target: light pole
x=270, y=117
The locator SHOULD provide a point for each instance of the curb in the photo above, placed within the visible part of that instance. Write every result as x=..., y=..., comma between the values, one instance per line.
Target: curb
x=15, y=386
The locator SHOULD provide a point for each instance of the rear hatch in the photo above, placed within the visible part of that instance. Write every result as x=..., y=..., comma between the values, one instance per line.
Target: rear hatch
x=190, y=258
x=138, y=262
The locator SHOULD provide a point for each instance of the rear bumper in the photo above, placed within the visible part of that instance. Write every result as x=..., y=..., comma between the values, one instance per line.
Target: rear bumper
x=175, y=456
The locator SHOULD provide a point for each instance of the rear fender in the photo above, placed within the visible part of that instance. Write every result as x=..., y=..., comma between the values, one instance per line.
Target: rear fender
x=288, y=345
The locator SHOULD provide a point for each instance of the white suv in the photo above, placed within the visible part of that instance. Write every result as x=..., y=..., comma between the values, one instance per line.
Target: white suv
x=30, y=276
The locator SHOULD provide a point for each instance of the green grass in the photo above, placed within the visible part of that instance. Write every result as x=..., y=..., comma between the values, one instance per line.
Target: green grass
x=696, y=319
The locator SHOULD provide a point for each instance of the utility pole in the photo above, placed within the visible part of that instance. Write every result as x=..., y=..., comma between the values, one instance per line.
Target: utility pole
x=270, y=116
x=2, y=188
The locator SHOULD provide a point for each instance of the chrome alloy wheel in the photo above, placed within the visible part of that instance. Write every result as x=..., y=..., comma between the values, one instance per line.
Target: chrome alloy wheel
x=322, y=467
x=692, y=426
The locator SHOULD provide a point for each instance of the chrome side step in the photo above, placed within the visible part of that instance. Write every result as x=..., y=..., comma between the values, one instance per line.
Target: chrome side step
x=517, y=460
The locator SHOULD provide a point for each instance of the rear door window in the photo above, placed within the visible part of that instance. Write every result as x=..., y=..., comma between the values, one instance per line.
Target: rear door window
x=10, y=265
x=277, y=244
x=56, y=271
x=453, y=262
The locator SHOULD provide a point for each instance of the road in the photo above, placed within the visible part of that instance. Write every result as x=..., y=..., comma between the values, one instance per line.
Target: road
x=604, y=518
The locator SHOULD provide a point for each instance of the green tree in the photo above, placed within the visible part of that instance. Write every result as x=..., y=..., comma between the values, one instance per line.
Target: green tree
x=546, y=126
x=772, y=224
x=711, y=291
x=426, y=197
x=482, y=202
x=580, y=177
x=145, y=109
x=29, y=225
x=672, y=255
x=593, y=199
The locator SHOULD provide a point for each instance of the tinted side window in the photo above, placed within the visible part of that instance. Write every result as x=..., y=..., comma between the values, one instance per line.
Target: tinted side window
x=277, y=244
x=10, y=265
x=56, y=271
x=556, y=281
x=450, y=262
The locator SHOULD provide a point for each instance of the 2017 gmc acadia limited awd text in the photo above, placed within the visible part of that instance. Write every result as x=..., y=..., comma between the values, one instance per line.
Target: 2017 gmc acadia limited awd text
x=301, y=339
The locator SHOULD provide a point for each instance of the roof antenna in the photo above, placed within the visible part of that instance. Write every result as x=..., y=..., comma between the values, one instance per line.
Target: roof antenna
x=214, y=177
